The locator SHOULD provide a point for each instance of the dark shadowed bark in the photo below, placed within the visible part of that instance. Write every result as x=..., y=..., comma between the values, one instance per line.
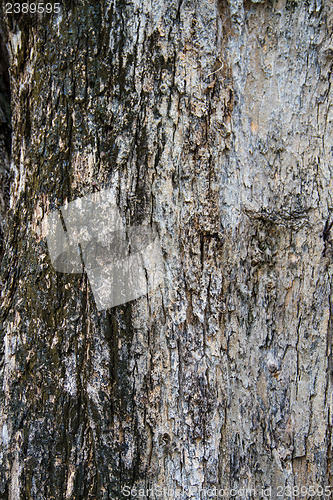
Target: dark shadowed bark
x=5, y=134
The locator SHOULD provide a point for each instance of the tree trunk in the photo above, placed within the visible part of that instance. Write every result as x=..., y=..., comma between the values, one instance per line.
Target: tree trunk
x=214, y=121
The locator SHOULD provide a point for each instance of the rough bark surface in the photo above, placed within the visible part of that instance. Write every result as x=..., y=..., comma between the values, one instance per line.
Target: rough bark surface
x=214, y=121
x=5, y=135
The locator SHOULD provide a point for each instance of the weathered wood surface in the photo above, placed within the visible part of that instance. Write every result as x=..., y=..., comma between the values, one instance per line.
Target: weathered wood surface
x=214, y=121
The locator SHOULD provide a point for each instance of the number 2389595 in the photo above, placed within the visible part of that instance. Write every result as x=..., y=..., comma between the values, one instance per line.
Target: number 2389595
x=32, y=8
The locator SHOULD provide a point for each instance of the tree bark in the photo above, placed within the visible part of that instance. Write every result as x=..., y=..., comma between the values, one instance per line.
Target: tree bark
x=212, y=120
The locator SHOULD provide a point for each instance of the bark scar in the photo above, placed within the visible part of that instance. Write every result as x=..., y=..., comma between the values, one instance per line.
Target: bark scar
x=326, y=235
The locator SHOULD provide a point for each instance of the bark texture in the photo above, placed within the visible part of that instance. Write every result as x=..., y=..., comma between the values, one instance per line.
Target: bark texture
x=214, y=121
x=5, y=134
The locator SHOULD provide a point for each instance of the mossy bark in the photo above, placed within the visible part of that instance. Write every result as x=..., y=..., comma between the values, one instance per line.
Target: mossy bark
x=212, y=120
